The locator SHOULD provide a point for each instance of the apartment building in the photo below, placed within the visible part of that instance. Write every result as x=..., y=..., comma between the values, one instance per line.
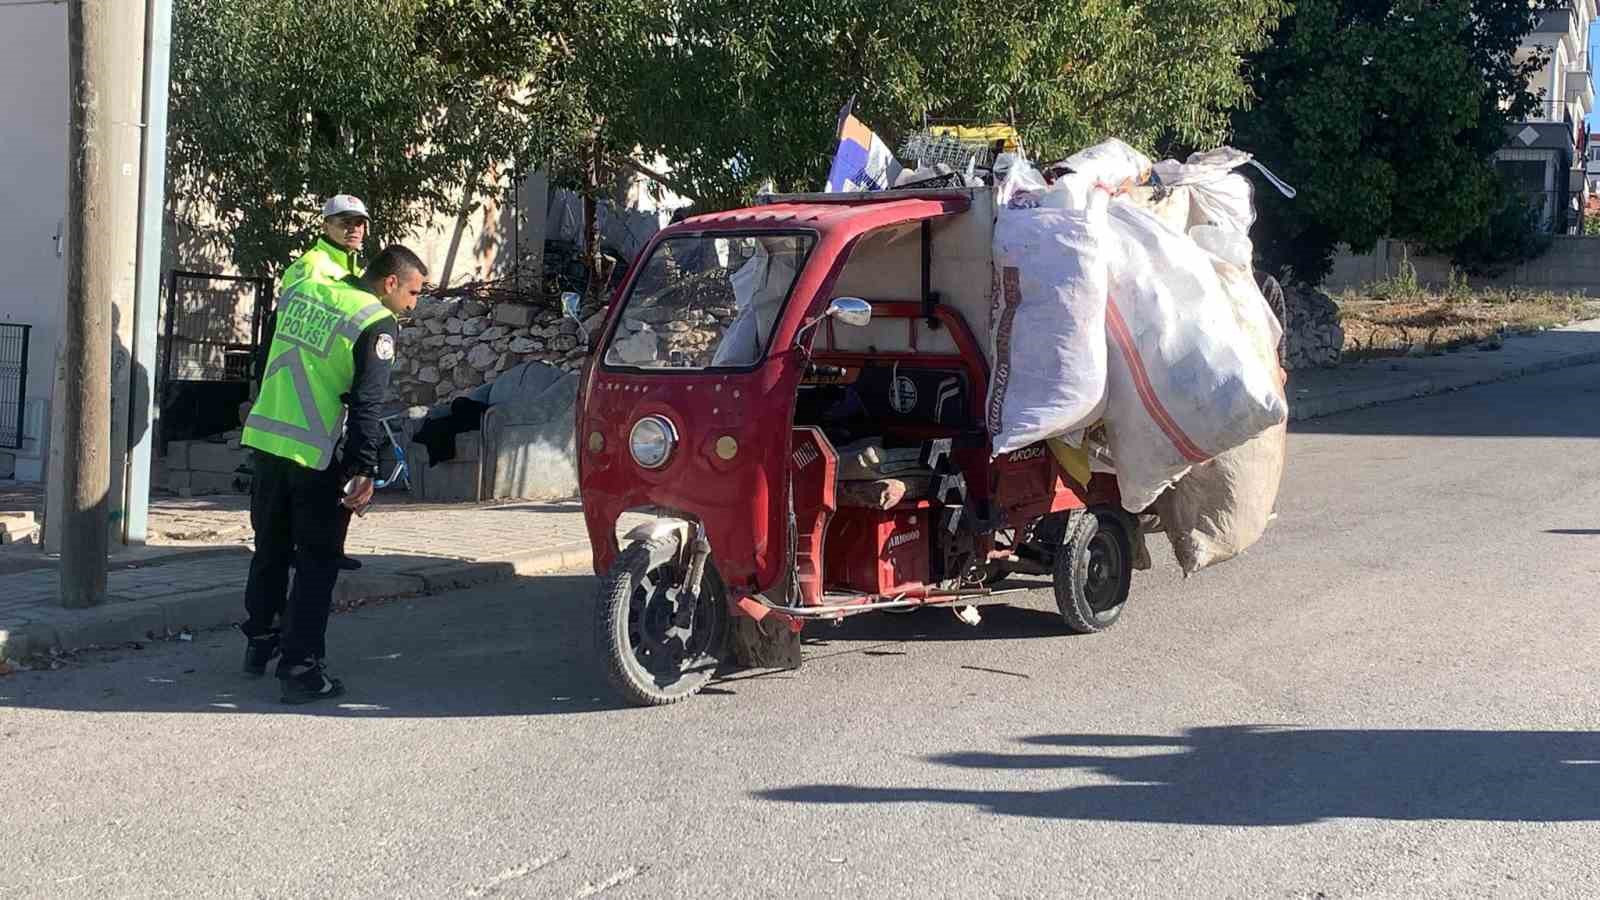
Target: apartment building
x=1546, y=156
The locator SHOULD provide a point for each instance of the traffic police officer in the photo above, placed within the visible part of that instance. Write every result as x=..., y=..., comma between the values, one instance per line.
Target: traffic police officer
x=335, y=254
x=326, y=375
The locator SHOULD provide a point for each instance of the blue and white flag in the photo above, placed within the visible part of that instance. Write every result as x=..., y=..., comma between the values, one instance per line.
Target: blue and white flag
x=863, y=162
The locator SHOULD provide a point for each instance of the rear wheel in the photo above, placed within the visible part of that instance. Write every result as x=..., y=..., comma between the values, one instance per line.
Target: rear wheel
x=660, y=644
x=1093, y=572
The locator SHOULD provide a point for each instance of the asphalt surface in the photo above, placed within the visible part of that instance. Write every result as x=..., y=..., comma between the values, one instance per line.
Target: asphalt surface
x=1396, y=694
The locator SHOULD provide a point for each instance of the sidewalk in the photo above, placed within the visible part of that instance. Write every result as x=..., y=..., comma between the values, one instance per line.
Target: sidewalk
x=1315, y=393
x=192, y=575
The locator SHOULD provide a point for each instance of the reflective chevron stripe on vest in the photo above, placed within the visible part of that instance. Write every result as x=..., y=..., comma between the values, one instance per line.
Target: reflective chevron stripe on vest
x=299, y=414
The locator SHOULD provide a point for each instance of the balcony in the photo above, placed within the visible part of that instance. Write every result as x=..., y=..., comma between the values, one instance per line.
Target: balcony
x=1580, y=84
x=1548, y=111
x=1562, y=19
x=1559, y=19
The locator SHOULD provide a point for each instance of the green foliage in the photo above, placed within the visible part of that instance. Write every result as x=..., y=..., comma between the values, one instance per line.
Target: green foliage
x=1509, y=237
x=278, y=103
x=760, y=83
x=1384, y=114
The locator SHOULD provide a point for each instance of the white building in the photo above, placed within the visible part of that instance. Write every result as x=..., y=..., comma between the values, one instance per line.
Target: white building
x=33, y=193
x=1544, y=156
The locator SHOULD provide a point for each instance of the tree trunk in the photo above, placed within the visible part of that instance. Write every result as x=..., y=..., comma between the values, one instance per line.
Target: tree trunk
x=594, y=257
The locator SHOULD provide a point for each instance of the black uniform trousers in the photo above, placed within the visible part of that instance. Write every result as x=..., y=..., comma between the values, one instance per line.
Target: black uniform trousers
x=298, y=521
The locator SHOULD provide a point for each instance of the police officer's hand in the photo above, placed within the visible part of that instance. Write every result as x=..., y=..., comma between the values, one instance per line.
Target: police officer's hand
x=360, y=494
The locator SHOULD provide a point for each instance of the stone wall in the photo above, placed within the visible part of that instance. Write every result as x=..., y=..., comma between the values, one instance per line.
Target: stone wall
x=1312, y=335
x=682, y=324
x=450, y=347
x=196, y=468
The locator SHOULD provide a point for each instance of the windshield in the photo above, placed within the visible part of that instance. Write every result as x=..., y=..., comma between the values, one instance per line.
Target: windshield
x=705, y=301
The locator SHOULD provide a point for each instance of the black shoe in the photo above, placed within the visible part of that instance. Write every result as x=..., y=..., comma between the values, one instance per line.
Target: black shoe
x=258, y=651
x=349, y=564
x=308, y=683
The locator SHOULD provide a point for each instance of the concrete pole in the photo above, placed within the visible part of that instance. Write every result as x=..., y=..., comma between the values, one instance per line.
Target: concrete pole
x=104, y=43
x=147, y=302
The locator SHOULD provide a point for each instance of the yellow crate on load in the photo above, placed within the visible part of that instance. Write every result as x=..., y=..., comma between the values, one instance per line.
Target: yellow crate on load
x=985, y=134
x=1073, y=460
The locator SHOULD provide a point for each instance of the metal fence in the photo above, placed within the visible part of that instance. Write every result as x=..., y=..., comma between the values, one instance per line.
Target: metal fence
x=211, y=327
x=213, y=323
x=13, y=382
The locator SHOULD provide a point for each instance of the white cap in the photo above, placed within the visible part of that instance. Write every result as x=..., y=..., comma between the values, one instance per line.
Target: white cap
x=339, y=204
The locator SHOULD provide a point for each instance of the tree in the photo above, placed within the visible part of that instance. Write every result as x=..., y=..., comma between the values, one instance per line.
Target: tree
x=754, y=86
x=1512, y=234
x=1384, y=114
x=278, y=103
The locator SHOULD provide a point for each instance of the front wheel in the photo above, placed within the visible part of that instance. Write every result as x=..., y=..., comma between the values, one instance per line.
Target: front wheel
x=660, y=645
x=1093, y=572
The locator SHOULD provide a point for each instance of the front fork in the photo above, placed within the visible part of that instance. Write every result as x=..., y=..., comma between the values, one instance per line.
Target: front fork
x=699, y=550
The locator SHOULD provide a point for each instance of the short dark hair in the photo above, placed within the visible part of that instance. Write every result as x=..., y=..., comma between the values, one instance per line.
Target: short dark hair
x=394, y=260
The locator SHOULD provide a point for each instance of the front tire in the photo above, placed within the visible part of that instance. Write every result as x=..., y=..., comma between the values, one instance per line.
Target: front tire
x=660, y=646
x=1093, y=572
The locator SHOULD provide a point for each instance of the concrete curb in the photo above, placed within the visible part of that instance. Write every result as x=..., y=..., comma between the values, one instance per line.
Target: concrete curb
x=142, y=620
x=1362, y=398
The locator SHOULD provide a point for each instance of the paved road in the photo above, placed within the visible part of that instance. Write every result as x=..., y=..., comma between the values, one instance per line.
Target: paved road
x=1396, y=695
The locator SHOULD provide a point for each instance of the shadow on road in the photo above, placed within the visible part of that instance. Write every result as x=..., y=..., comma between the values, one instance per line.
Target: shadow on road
x=517, y=647
x=520, y=647
x=1001, y=622
x=1269, y=775
x=1560, y=404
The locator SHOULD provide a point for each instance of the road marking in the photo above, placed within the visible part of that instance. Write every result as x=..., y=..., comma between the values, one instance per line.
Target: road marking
x=617, y=879
x=514, y=874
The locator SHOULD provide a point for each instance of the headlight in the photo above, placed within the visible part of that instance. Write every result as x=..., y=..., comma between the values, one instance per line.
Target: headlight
x=651, y=441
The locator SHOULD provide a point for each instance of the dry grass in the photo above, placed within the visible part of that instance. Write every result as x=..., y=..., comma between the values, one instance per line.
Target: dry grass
x=1400, y=315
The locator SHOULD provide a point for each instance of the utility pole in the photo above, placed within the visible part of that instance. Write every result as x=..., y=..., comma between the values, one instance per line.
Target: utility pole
x=152, y=203
x=105, y=52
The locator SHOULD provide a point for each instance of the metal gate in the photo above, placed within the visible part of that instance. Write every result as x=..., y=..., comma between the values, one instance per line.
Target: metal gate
x=212, y=327
x=13, y=382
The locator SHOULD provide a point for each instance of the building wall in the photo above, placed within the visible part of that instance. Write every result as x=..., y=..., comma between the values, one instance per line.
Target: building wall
x=33, y=196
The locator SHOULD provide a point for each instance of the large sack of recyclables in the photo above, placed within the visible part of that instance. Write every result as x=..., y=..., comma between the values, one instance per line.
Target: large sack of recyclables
x=1136, y=308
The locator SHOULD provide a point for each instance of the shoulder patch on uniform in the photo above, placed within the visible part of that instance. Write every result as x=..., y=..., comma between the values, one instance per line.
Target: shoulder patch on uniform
x=385, y=347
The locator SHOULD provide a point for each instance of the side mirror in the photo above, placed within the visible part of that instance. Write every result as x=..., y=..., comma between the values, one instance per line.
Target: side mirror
x=852, y=311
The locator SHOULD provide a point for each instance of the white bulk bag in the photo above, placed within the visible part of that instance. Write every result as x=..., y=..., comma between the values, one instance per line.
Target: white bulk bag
x=1222, y=507
x=1184, y=381
x=1047, y=332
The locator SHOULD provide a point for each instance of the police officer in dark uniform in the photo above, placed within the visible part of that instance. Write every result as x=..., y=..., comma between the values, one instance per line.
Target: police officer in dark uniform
x=323, y=387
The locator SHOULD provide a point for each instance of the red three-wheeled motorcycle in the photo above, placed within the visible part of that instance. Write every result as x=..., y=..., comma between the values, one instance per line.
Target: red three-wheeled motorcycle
x=794, y=393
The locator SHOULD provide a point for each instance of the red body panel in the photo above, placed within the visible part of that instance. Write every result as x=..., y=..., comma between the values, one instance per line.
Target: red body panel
x=815, y=468
x=879, y=551
x=743, y=501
